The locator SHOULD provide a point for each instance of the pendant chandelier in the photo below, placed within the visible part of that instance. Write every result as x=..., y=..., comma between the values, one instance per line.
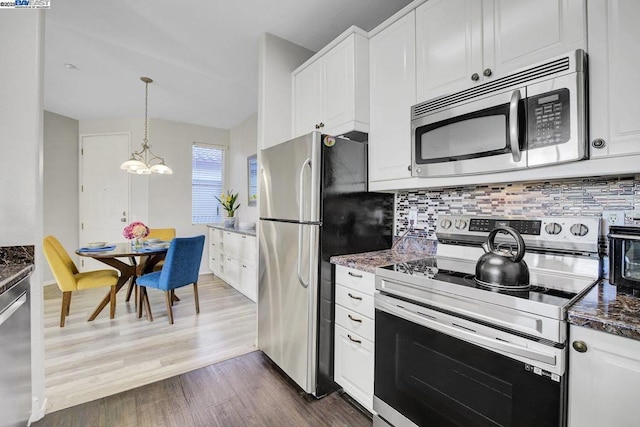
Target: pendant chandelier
x=144, y=162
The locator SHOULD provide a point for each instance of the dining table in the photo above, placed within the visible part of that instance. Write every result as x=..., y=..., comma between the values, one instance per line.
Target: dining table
x=116, y=255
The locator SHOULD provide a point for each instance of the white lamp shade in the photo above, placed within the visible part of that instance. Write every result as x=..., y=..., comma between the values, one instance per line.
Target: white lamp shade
x=161, y=169
x=133, y=165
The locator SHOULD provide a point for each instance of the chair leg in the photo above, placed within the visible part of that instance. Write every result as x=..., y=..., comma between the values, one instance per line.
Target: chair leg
x=195, y=295
x=168, y=298
x=139, y=293
x=147, y=305
x=132, y=285
x=64, y=310
x=112, y=310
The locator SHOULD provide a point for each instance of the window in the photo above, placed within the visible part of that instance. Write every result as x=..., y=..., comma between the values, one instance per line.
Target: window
x=207, y=164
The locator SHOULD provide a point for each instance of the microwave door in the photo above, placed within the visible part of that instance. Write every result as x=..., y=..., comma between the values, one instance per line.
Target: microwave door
x=556, y=120
x=479, y=136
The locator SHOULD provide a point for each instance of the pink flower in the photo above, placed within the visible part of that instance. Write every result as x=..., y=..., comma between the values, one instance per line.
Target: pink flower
x=135, y=230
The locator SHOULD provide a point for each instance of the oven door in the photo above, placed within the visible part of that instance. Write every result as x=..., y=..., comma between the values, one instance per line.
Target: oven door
x=439, y=370
x=484, y=135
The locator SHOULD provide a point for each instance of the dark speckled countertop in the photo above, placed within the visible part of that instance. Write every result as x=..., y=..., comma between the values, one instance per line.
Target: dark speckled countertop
x=408, y=250
x=16, y=262
x=608, y=309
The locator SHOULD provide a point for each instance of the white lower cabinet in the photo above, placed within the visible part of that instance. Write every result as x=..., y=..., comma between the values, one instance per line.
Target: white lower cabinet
x=232, y=257
x=355, y=334
x=604, y=379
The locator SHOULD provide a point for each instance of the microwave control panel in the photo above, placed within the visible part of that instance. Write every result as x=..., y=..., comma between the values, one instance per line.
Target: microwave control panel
x=549, y=119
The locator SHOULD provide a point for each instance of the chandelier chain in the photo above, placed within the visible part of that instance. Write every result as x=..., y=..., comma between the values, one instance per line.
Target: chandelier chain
x=146, y=103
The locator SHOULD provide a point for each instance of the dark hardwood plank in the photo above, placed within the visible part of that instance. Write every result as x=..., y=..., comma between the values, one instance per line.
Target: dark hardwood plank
x=248, y=390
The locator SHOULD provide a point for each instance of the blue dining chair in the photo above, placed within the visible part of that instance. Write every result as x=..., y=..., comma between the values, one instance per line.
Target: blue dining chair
x=181, y=267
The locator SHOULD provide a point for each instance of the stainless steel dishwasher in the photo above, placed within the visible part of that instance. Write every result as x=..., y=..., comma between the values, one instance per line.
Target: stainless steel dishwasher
x=15, y=355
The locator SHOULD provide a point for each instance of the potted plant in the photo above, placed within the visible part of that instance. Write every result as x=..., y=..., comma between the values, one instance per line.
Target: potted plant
x=228, y=201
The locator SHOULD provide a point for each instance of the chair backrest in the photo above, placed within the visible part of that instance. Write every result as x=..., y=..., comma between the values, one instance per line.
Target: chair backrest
x=62, y=267
x=182, y=263
x=166, y=234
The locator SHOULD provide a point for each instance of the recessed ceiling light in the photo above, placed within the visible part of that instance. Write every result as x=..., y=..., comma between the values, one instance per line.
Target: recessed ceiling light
x=70, y=66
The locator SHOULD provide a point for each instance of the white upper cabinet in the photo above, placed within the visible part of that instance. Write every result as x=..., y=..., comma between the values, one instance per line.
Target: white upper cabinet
x=393, y=92
x=331, y=90
x=461, y=43
x=614, y=64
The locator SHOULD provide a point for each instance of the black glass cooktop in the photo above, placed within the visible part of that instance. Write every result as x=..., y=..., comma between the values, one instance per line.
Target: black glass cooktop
x=427, y=270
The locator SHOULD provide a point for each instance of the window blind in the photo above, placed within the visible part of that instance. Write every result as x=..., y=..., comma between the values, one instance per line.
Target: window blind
x=207, y=182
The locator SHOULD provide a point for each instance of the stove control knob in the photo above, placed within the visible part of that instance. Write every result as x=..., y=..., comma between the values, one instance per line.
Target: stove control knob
x=461, y=224
x=445, y=223
x=579, y=230
x=553, y=228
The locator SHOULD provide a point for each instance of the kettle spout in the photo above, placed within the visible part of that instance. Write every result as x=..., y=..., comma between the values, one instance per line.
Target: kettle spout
x=485, y=246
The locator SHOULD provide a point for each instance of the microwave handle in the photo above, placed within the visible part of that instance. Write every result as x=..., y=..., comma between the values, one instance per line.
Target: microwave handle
x=514, y=126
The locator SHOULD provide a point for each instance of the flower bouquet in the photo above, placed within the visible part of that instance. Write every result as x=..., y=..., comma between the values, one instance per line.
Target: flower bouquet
x=136, y=231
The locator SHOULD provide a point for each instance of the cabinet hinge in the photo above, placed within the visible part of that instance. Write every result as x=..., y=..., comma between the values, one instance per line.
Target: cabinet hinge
x=82, y=151
x=82, y=226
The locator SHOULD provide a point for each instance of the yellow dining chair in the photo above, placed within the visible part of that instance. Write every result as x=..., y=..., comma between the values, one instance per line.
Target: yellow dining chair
x=69, y=279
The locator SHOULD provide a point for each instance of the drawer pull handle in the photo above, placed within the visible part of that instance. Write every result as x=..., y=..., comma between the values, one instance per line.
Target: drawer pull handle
x=357, y=276
x=354, y=319
x=355, y=297
x=354, y=340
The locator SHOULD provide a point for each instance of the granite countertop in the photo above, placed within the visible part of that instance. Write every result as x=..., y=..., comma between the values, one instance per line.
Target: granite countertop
x=12, y=274
x=368, y=261
x=609, y=309
x=248, y=232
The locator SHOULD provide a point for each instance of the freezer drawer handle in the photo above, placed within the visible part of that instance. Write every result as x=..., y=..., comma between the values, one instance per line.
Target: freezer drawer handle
x=13, y=308
x=354, y=297
x=353, y=339
x=354, y=319
x=357, y=276
x=304, y=283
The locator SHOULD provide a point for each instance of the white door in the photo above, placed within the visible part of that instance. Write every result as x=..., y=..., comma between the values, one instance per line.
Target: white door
x=104, y=191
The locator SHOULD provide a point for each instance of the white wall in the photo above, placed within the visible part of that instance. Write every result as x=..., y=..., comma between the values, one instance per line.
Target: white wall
x=60, y=189
x=277, y=58
x=244, y=143
x=21, y=95
x=164, y=200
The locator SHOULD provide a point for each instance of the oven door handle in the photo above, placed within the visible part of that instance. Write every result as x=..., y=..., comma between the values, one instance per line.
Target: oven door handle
x=623, y=236
x=465, y=334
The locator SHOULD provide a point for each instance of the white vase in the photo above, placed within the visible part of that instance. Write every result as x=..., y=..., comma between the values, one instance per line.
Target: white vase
x=230, y=222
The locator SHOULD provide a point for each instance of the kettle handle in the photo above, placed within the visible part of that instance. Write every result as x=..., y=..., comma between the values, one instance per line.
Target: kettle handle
x=521, y=248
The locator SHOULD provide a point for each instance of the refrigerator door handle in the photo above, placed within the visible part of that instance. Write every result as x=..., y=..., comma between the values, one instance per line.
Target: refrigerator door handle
x=307, y=162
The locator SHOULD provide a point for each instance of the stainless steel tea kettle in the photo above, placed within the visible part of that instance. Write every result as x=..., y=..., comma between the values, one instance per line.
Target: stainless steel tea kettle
x=499, y=266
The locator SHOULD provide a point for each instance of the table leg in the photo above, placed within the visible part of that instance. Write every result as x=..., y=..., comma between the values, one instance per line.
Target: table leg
x=126, y=272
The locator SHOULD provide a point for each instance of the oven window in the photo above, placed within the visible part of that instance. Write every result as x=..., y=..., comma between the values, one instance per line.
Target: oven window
x=437, y=380
x=477, y=134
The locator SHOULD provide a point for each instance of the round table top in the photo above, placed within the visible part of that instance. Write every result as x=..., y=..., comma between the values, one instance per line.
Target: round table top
x=123, y=249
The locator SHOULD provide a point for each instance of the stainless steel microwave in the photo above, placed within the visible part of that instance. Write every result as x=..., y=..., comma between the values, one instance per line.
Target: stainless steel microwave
x=624, y=256
x=534, y=117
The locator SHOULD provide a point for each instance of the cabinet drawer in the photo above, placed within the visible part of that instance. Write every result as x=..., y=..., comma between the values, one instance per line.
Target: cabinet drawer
x=354, y=362
x=356, y=279
x=355, y=322
x=355, y=300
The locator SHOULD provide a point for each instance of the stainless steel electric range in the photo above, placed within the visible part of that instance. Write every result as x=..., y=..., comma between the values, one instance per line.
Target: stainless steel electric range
x=452, y=352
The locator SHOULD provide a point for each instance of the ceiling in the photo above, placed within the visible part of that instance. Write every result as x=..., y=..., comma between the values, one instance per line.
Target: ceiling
x=202, y=55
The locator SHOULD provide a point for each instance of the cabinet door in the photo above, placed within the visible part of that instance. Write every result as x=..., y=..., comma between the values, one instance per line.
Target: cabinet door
x=307, y=94
x=393, y=92
x=248, y=250
x=517, y=33
x=248, y=281
x=614, y=61
x=215, y=251
x=232, y=245
x=353, y=366
x=338, y=84
x=231, y=274
x=604, y=381
x=448, y=46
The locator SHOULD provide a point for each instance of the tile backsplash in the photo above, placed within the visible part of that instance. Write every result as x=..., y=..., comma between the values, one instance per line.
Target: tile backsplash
x=574, y=197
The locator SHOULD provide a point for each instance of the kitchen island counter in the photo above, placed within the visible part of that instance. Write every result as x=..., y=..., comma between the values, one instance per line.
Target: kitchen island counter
x=608, y=309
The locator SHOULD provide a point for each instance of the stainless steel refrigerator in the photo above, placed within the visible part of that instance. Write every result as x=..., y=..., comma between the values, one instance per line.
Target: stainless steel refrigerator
x=313, y=204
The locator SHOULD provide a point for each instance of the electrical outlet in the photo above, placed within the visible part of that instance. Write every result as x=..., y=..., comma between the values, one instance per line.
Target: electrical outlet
x=413, y=216
x=610, y=218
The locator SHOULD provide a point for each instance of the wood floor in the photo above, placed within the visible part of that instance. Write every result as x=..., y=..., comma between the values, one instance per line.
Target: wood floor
x=85, y=361
x=244, y=391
